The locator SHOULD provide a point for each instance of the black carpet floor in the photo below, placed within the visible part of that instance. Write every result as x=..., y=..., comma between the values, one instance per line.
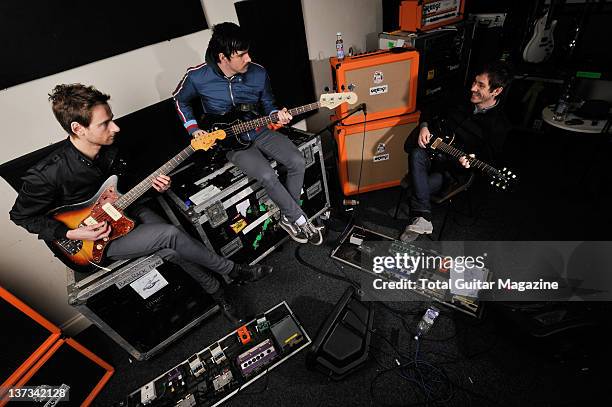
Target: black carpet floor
x=489, y=361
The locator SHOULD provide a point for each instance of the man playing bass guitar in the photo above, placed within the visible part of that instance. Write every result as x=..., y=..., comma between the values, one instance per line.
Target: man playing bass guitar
x=73, y=173
x=229, y=81
x=480, y=128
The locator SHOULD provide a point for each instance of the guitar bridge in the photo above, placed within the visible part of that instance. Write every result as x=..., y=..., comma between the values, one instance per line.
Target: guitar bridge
x=72, y=247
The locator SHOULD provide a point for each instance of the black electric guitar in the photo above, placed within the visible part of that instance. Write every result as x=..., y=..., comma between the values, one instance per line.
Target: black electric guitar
x=230, y=127
x=503, y=179
x=106, y=205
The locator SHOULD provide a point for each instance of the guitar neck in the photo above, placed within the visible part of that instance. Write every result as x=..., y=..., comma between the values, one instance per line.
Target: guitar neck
x=549, y=14
x=273, y=118
x=143, y=186
x=474, y=162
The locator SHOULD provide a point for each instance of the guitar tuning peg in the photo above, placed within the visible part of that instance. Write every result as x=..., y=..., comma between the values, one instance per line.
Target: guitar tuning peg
x=351, y=86
x=342, y=87
x=326, y=89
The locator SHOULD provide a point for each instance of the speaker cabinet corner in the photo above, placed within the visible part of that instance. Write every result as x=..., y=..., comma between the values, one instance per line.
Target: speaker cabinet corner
x=378, y=160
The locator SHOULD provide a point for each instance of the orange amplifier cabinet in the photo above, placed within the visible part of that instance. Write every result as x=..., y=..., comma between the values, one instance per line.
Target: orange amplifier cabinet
x=423, y=15
x=385, y=81
x=377, y=162
x=71, y=364
x=26, y=335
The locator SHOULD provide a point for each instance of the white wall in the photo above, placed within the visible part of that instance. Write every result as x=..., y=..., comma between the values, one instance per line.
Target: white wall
x=359, y=21
x=134, y=80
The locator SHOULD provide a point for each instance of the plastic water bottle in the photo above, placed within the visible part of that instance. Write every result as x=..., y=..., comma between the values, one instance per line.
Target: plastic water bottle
x=427, y=321
x=563, y=104
x=339, y=46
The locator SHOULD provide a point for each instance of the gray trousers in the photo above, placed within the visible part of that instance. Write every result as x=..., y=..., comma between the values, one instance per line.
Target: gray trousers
x=253, y=163
x=154, y=235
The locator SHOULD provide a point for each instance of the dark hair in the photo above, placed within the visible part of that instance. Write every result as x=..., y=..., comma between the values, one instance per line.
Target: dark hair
x=227, y=38
x=74, y=103
x=498, y=73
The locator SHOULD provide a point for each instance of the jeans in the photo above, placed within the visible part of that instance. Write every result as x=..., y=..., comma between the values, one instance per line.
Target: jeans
x=255, y=165
x=153, y=234
x=424, y=182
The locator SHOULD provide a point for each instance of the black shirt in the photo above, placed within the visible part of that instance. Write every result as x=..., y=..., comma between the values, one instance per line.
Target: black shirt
x=65, y=177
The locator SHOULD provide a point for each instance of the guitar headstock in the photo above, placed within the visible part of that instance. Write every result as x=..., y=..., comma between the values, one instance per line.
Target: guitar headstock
x=206, y=141
x=504, y=180
x=333, y=100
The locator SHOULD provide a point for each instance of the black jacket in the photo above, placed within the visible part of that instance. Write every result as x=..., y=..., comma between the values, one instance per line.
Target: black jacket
x=65, y=177
x=483, y=133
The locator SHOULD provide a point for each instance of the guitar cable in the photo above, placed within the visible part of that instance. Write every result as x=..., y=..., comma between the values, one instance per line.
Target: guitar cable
x=351, y=221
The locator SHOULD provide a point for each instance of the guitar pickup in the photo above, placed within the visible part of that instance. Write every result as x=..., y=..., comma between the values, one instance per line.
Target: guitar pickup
x=216, y=214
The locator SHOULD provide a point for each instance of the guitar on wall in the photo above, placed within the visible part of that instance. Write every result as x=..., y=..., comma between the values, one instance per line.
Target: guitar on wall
x=107, y=205
x=503, y=179
x=228, y=128
x=541, y=45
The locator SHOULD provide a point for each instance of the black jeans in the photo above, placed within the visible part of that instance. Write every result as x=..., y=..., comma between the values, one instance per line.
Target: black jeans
x=153, y=234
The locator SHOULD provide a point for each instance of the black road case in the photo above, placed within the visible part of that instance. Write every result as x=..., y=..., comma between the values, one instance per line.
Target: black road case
x=143, y=304
x=232, y=214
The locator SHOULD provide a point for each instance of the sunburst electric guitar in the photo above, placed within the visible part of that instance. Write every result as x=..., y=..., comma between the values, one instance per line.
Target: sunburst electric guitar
x=107, y=205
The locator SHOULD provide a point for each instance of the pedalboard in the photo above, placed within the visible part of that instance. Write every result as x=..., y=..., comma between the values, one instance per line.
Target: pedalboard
x=219, y=371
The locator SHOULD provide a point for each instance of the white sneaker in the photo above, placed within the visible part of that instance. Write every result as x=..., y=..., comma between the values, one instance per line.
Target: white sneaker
x=421, y=226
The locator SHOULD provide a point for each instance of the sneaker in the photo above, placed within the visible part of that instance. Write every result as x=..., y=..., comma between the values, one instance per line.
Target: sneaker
x=294, y=231
x=314, y=233
x=421, y=226
x=408, y=236
x=247, y=273
x=227, y=308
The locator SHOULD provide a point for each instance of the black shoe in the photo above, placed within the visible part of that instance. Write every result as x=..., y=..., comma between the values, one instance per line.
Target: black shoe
x=313, y=233
x=294, y=231
x=247, y=273
x=227, y=309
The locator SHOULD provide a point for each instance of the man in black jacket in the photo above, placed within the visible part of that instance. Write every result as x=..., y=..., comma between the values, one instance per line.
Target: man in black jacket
x=480, y=128
x=74, y=173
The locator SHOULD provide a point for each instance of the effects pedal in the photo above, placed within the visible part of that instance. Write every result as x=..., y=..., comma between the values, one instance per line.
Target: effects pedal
x=287, y=333
x=257, y=357
x=148, y=393
x=196, y=365
x=262, y=324
x=243, y=334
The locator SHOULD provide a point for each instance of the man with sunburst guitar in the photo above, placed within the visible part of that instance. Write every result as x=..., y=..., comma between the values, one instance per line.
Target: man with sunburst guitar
x=231, y=87
x=58, y=201
x=479, y=128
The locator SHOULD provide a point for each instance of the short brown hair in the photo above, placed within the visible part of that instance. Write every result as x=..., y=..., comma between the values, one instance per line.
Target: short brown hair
x=74, y=103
